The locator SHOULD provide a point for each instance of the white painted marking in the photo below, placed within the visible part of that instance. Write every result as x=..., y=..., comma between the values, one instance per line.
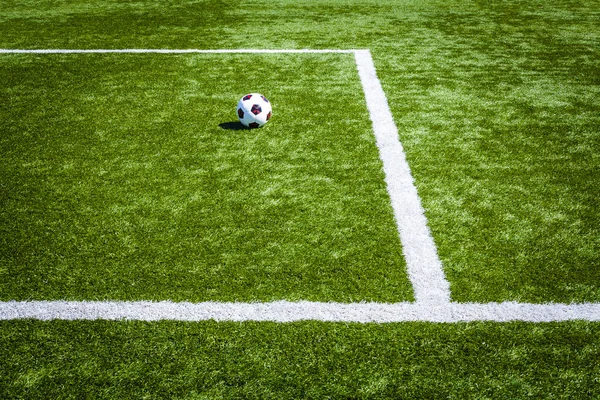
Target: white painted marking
x=432, y=291
x=423, y=264
x=284, y=311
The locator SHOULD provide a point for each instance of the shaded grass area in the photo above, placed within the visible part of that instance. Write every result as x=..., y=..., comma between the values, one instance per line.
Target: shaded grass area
x=121, y=181
x=103, y=359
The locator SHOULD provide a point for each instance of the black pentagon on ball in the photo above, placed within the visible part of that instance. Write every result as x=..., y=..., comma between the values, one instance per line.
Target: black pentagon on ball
x=247, y=97
x=256, y=109
x=265, y=99
x=269, y=115
x=240, y=113
x=253, y=125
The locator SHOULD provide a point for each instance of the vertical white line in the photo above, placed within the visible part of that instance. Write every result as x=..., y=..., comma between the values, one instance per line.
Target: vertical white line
x=424, y=266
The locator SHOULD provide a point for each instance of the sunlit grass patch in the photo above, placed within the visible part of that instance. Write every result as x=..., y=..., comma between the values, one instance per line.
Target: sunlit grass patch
x=127, y=178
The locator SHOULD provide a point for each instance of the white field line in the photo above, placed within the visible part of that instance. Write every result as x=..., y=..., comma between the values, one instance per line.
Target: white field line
x=284, y=311
x=432, y=291
x=424, y=266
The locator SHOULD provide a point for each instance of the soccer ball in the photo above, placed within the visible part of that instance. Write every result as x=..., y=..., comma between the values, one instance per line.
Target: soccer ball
x=254, y=110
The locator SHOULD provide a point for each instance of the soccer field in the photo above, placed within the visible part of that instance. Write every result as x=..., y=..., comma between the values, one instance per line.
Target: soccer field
x=446, y=171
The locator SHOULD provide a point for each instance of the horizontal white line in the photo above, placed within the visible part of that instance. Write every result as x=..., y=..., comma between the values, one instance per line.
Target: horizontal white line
x=285, y=311
x=432, y=307
x=167, y=51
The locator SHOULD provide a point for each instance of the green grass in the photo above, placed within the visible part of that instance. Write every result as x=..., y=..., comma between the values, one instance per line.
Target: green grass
x=497, y=108
x=499, y=113
x=103, y=359
x=121, y=182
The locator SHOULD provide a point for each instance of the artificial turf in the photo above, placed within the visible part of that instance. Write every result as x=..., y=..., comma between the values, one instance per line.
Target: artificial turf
x=498, y=109
x=127, y=177
x=496, y=105
x=108, y=359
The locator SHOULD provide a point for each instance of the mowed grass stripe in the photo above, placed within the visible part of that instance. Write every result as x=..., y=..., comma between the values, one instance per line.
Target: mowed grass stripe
x=123, y=185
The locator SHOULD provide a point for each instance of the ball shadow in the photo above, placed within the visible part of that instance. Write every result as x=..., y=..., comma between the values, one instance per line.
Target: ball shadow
x=233, y=126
